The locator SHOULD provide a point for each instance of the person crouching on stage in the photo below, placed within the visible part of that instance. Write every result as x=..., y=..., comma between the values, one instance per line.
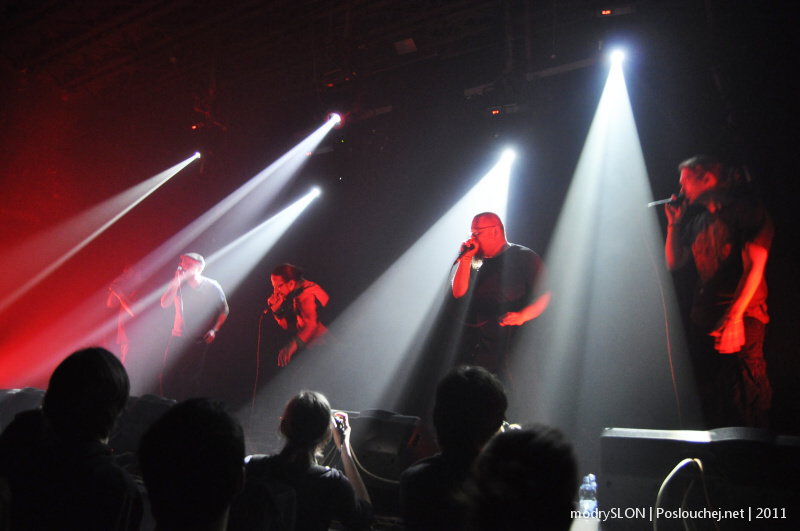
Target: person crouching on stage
x=294, y=305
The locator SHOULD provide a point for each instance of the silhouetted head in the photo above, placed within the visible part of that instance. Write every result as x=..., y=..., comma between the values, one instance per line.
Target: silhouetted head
x=523, y=479
x=192, y=462
x=306, y=421
x=86, y=395
x=470, y=407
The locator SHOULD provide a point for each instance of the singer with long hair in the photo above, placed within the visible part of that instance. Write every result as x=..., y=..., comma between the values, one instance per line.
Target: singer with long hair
x=294, y=303
x=200, y=310
x=320, y=494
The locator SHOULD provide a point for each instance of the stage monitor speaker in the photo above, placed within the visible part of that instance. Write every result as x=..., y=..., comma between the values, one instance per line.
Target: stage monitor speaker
x=749, y=472
x=385, y=444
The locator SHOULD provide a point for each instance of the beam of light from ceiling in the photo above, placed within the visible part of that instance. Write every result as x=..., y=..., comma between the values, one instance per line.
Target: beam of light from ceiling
x=231, y=264
x=249, y=200
x=381, y=334
x=243, y=205
x=235, y=261
x=61, y=334
x=30, y=358
x=48, y=251
x=600, y=356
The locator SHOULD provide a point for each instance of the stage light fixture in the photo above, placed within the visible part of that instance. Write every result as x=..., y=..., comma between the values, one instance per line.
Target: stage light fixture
x=315, y=192
x=617, y=56
x=337, y=119
x=197, y=154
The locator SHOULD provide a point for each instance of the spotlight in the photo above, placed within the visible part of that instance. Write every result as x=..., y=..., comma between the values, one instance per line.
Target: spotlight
x=336, y=118
x=315, y=191
x=617, y=56
x=197, y=154
x=508, y=154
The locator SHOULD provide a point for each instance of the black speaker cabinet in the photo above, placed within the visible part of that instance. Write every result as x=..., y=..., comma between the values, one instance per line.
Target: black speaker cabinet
x=385, y=444
x=736, y=478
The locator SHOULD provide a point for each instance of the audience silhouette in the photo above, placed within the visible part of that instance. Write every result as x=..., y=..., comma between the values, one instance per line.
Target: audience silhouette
x=523, y=480
x=321, y=494
x=59, y=468
x=470, y=408
x=192, y=462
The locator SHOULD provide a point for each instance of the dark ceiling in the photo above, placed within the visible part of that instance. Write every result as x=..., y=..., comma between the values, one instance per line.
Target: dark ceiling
x=97, y=94
x=301, y=45
x=91, y=78
x=204, y=55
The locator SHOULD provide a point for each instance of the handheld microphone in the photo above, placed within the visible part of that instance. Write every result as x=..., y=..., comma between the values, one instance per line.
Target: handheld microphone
x=464, y=249
x=680, y=198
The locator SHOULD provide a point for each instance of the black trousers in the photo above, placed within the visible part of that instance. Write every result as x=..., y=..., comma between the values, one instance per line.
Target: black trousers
x=182, y=369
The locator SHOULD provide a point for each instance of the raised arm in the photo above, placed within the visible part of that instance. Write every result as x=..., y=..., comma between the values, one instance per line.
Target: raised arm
x=461, y=278
x=169, y=296
x=341, y=436
x=677, y=254
x=275, y=302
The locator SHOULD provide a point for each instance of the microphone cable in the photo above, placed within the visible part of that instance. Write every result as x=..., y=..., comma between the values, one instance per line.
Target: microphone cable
x=666, y=318
x=258, y=370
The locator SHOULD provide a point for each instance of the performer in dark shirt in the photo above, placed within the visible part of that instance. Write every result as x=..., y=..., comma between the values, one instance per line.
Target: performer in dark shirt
x=501, y=279
x=727, y=234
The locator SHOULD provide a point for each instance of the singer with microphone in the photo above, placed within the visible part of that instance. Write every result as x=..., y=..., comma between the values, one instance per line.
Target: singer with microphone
x=503, y=282
x=723, y=229
x=200, y=310
x=294, y=303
